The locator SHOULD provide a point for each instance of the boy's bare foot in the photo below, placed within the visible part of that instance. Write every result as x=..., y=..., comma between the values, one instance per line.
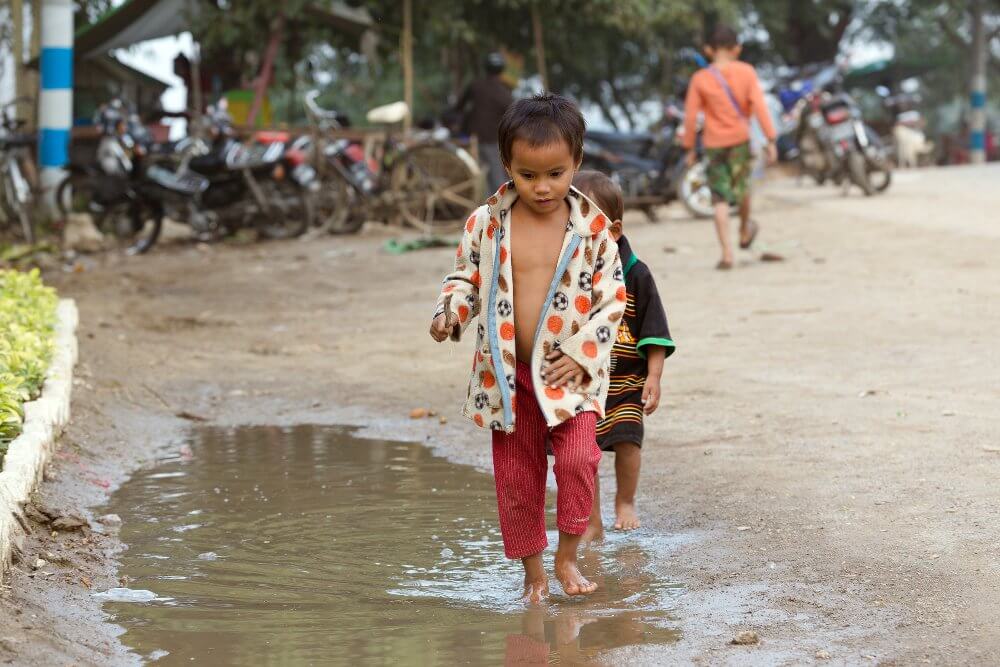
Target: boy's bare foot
x=572, y=580
x=625, y=516
x=536, y=582
x=535, y=591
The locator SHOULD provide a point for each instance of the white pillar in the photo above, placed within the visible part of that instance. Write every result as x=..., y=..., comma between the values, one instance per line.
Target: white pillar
x=55, y=106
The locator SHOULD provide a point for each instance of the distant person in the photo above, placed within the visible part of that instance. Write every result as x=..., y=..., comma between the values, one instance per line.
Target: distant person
x=484, y=102
x=728, y=92
x=539, y=270
x=642, y=343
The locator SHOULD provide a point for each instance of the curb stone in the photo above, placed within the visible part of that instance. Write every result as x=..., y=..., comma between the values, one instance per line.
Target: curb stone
x=44, y=420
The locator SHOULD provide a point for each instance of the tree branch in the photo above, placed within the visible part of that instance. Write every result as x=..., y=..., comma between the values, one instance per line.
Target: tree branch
x=953, y=35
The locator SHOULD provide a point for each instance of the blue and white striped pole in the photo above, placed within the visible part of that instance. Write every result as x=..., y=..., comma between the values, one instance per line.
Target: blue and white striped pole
x=55, y=106
x=977, y=120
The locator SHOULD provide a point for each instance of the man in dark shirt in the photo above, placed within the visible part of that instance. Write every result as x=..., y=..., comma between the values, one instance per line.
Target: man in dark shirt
x=489, y=98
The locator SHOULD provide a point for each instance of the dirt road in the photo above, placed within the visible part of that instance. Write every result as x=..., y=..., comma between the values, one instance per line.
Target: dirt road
x=824, y=463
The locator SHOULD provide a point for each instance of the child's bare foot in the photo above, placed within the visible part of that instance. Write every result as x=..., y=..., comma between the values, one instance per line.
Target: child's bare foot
x=572, y=580
x=594, y=532
x=535, y=591
x=536, y=582
x=625, y=516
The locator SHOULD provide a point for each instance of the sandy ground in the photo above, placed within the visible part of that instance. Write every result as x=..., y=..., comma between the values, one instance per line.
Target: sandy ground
x=824, y=464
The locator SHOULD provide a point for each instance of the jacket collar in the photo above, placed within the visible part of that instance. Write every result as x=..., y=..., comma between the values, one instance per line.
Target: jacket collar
x=585, y=218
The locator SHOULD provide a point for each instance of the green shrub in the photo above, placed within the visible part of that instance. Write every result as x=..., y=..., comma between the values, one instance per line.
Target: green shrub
x=27, y=320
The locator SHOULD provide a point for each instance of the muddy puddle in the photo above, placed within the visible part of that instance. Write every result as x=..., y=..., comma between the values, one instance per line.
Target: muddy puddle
x=308, y=546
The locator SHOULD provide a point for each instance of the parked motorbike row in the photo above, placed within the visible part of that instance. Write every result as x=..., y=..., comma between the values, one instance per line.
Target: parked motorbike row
x=209, y=181
x=280, y=185
x=274, y=183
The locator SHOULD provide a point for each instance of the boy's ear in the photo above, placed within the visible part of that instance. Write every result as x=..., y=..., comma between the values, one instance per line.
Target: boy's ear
x=737, y=50
x=616, y=228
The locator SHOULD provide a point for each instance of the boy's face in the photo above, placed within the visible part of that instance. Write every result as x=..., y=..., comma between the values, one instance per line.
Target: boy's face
x=542, y=174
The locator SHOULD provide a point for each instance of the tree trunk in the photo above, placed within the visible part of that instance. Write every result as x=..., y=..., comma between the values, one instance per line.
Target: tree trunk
x=267, y=68
x=618, y=97
x=34, y=82
x=17, y=49
x=977, y=93
x=406, y=55
x=606, y=112
x=536, y=24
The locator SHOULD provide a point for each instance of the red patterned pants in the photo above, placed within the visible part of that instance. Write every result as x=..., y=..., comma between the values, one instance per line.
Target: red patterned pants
x=520, y=467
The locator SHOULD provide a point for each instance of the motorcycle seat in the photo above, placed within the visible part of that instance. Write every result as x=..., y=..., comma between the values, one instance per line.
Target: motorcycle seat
x=272, y=137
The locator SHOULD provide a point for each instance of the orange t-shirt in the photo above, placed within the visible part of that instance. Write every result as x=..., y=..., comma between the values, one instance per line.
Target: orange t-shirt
x=723, y=125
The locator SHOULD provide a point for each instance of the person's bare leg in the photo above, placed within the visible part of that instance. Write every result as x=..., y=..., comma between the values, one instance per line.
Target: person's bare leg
x=722, y=229
x=569, y=575
x=627, y=460
x=536, y=582
x=595, y=528
x=746, y=227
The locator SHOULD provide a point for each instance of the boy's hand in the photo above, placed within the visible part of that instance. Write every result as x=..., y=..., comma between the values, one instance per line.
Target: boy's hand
x=772, y=153
x=691, y=157
x=651, y=395
x=443, y=325
x=562, y=370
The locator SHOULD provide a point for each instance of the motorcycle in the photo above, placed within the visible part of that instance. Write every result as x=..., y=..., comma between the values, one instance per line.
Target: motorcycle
x=833, y=140
x=124, y=194
x=262, y=184
x=650, y=167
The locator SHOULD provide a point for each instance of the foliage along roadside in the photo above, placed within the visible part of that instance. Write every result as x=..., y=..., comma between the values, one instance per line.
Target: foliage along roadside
x=27, y=323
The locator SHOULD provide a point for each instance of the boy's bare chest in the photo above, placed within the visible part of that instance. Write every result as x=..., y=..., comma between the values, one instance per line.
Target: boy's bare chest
x=535, y=249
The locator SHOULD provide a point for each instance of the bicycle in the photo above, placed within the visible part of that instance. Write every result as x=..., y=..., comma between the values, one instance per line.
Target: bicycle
x=423, y=181
x=17, y=175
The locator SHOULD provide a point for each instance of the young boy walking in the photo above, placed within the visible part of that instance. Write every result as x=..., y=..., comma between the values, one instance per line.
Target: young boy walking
x=539, y=268
x=727, y=91
x=642, y=343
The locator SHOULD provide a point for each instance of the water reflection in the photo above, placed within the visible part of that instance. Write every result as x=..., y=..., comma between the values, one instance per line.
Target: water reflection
x=304, y=545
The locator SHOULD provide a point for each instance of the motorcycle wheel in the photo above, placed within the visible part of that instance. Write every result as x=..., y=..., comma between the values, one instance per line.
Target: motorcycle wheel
x=336, y=211
x=693, y=190
x=858, y=171
x=291, y=210
x=136, y=225
x=881, y=178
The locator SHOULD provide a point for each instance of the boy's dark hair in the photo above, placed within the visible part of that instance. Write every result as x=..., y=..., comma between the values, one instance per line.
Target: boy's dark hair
x=724, y=37
x=603, y=191
x=542, y=120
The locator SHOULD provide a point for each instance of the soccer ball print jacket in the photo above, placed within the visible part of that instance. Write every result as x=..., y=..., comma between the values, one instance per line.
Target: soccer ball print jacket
x=580, y=316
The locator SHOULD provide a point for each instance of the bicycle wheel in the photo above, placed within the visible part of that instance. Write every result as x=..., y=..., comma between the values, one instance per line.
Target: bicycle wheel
x=436, y=186
x=19, y=217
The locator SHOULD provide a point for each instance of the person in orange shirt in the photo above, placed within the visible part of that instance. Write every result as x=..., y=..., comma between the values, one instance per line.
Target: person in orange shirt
x=727, y=92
